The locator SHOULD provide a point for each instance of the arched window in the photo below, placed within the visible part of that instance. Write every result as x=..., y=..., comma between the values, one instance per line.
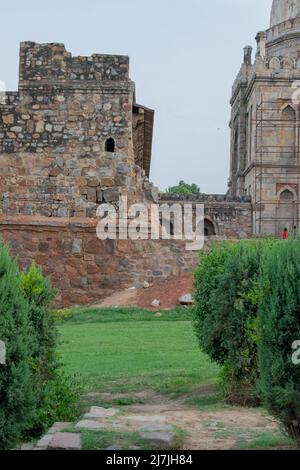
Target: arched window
x=110, y=145
x=286, y=196
x=288, y=133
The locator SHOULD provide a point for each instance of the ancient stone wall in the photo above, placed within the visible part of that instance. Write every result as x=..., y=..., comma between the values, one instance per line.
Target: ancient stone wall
x=71, y=138
x=230, y=217
x=54, y=132
x=86, y=269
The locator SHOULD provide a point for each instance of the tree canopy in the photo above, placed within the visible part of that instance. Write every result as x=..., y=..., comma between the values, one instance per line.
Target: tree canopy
x=184, y=188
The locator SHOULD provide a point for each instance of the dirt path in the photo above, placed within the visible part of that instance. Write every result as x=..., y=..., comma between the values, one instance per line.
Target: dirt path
x=167, y=292
x=214, y=427
x=156, y=421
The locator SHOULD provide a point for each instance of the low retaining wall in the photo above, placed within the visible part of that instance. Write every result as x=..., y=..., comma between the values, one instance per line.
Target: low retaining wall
x=84, y=268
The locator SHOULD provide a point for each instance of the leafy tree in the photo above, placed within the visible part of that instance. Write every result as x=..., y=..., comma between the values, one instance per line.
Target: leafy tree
x=184, y=189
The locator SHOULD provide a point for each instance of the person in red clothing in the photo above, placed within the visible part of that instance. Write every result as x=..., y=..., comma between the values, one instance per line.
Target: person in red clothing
x=285, y=234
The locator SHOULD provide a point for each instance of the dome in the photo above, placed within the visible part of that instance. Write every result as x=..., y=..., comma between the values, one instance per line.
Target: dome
x=283, y=10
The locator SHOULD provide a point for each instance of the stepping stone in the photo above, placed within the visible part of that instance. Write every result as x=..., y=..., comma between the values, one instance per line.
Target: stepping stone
x=27, y=446
x=59, y=426
x=44, y=441
x=154, y=427
x=65, y=441
x=98, y=412
x=90, y=424
x=159, y=437
x=145, y=420
x=116, y=447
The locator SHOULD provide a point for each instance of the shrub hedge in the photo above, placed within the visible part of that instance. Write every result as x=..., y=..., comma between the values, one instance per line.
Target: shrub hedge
x=17, y=397
x=279, y=316
x=247, y=317
x=34, y=392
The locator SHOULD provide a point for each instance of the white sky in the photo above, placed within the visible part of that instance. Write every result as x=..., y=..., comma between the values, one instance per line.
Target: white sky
x=184, y=56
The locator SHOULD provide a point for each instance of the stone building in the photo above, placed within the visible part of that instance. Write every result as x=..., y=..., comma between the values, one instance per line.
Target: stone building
x=265, y=132
x=72, y=137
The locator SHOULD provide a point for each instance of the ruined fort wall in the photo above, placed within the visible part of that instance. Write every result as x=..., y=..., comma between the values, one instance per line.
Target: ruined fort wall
x=56, y=168
x=231, y=217
x=53, y=134
x=84, y=268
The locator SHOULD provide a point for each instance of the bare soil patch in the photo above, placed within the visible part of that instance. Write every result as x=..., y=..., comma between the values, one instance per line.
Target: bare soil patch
x=167, y=292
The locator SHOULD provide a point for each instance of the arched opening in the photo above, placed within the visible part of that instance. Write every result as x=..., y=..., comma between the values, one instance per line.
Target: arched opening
x=167, y=226
x=110, y=145
x=287, y=137
x=209, y=228
x=286, y=211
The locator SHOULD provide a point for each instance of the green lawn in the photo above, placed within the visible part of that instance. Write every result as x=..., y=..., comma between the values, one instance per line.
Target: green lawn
x=130, y=350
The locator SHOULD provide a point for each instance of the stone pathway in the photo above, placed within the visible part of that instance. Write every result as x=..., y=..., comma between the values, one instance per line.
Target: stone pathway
x=154, y=428
x=159, y=422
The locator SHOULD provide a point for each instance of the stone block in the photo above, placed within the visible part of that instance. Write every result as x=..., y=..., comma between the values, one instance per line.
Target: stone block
x=161, y=438
x=63, y=212
x=99, y=412
x=92, y=194
x=111, y=195
x=93, y=182
x=8, y=118
x=99, y=196
x=77, y=245
x=65, y=441
x=91, y=424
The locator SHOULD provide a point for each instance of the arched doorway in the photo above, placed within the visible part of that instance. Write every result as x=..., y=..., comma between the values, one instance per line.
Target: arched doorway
x=286, y=211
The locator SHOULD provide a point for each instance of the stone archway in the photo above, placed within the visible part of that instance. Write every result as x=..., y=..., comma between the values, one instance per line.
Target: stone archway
x=209, y=228
x=286, y=212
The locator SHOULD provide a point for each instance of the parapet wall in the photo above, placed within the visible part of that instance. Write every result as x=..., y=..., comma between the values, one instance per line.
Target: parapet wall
x=51, y=64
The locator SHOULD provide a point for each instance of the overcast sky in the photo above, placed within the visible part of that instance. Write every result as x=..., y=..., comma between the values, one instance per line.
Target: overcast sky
x=184, y=56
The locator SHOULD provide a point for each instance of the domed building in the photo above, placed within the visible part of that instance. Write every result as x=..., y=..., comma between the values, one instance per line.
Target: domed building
x=265, y=119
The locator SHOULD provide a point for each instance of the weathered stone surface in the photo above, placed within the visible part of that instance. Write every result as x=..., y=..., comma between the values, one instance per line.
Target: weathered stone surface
x=257, y=144
x=90, y=424
x=8, y=118
x=44, y=441
x=55, y=168
x=186, y=300
x=159, y=437
x=139, y=420
x=27, y=446
x=156, y=427
x=99, y=412
x=65, y=441
x=111, y=195
x=59, y=426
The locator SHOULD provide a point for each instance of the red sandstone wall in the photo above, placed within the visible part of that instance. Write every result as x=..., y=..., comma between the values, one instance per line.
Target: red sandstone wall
x=86, y=269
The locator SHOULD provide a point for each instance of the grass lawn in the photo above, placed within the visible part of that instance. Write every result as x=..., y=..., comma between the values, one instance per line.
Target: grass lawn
x=127, y=350
x=121, y=350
